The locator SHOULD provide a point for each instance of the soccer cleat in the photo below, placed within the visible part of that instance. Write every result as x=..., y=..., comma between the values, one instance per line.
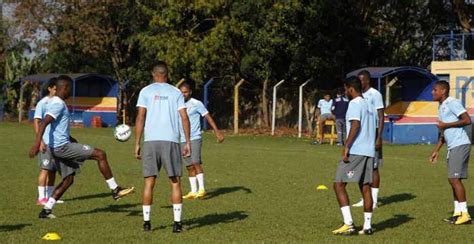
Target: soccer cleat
x=366, y=232
x=120, y=192
x=146, y=226
x=177, y=227
x=201, y=193
x=46, y=214
x=42, y=201
x=463, y=219
x=344, y=230
x=359, y=204
x=453, y=218
x=190, y=196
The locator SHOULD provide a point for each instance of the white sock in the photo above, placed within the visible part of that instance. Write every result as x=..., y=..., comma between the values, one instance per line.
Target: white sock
x=50, y=190
x=463, y=207
x=456, y=207
x=200, y=178
x=367, y=220
x=193, y=183
x=50, y=203
x=375, y=194
x=41, y=192
x=346, y=214
x=177, y=212
x=146, y=212
x=112, y=184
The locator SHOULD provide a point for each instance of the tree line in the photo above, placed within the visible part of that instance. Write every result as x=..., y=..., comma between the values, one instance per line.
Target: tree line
x=260, y=41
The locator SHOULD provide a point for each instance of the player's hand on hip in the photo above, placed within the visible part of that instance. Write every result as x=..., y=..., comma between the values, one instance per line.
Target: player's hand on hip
x=220, y=137
x=33, y=151
x=137, y=152
x=187, y=150
x=434, y=157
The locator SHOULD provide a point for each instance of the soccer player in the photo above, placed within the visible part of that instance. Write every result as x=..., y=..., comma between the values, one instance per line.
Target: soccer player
x=356, y=164
x=325, y=108
x=47, y=173
x=452, y=119
x=196, y=110
x=68, y=154
x=160, y=107
x=375, y=100
x=339, y=109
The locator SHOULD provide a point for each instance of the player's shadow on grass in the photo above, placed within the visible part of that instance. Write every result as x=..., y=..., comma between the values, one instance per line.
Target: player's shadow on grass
x=124, y=208
x=225, y=190
x=395, y=221
x=213, y=219
x=396, y=198
x=7, y=228
x=92, y=196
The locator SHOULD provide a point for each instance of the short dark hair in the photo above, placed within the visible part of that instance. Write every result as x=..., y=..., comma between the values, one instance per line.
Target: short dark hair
x=160, y=67
x=444, y=84
x=62, y=81
x=365, y=73
x=354, y=83
x=185, y=85
x=52, y=82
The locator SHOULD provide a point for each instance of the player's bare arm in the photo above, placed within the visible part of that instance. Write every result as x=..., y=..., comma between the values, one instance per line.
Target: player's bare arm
x=187, y=131
x=378, y=142
x=39, y=135
x=435, y=153
x=464, y=120
x=355, y=127
x=139, y=123
x=212, y=123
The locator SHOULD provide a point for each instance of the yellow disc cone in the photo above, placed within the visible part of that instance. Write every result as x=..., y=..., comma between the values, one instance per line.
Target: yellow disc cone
x=321, y=187
x=51, y=236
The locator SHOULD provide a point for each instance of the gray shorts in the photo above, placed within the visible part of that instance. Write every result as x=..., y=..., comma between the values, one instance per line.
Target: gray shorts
x=159, y=153
x=46, y=160
x=378, y=159
x=358, y=169
x=69, y=157
x=458, y=161
x=326, y=116
x=195, y=153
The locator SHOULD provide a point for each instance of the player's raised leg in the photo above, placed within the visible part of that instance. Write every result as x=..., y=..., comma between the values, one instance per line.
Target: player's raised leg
x=117, y=191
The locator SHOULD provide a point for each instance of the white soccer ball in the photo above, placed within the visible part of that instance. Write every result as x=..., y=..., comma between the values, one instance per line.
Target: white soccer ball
x=122, y=132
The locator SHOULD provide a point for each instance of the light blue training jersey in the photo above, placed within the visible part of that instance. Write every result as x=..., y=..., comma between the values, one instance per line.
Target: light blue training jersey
x=60, y=131
x=364, y=144
x=162, y=102
x=449, y=111
x=195, y=110
x=375, y=101
x=325, y=106
x=40, y=112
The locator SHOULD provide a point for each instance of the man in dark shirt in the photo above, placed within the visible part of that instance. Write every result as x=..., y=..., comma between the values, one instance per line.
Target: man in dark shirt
x=339, y=109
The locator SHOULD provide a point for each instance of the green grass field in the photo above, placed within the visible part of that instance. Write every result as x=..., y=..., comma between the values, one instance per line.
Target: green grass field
x=261, y=189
